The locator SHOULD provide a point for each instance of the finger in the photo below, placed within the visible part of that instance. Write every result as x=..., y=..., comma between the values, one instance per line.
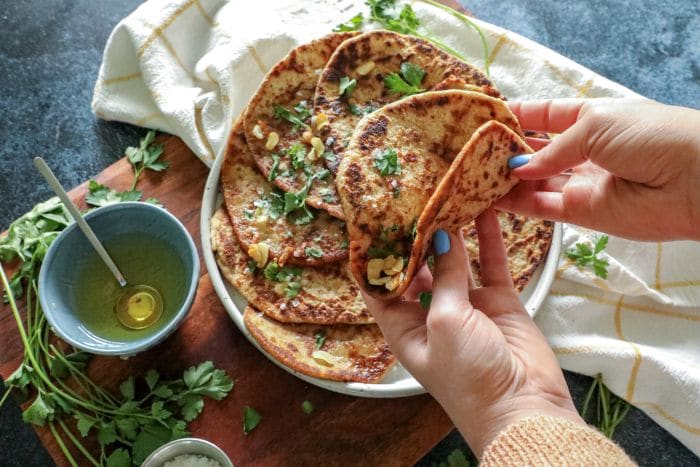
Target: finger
x=493, y=260
x=451, y=273
x=403, y=327
x=540, y=204
x=422, y=281
x=550, y=115
x=537, y=143
x=564, y=152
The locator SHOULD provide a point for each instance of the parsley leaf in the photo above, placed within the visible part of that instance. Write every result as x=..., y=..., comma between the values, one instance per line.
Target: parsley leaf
x=312, y=252
x=320, y=339
x=387, y=161
x=101, y=195
x=146, y=156
x=251, y=419
x=425, y=298
x=409, y=81
x=297, y=121
x=275, y=164
x=583, y=255
x=307, y=407
x=353, y=24
x=347, y=86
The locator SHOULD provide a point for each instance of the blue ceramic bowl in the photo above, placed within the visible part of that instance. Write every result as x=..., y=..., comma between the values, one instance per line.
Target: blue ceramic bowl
x=61, y=269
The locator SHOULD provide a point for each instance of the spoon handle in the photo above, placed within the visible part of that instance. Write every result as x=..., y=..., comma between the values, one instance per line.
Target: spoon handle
x=51, y=179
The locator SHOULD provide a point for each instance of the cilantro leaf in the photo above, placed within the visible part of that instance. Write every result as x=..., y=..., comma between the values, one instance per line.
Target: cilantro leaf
x=353, y=24
x=192, y=406
x=101, y=195
x=312, y=252
x=283, y=113
x=149, y=438
x=151, y=378
x=275, y=164
x=84, y=424
x=347, y=86
x=320, y=339
x=126, y=388
x=251, y=419
x=307, y=407
x=39, y=412
x=408, y=82
x=293, y=289
x=119, y=458
x=206, y=380
x=387, y=161
x=297, y=154
x=145, y=156
x=583, y=255
x=425, y=298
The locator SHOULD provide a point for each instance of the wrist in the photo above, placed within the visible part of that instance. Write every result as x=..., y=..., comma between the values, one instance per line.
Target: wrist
x=479, y=431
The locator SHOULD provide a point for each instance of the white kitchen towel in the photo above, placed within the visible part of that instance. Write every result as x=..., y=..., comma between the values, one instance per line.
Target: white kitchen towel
x=188, y=67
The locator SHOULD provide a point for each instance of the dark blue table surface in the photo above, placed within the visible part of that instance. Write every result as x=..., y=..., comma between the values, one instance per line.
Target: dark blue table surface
x=50, y=51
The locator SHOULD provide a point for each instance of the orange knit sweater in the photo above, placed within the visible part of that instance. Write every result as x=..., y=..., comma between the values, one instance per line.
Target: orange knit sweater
x=541, y=441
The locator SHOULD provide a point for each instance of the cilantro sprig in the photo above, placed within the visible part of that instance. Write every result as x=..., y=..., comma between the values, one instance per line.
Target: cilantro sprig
x=583, y=255
x=296, y=118
x=145, y=157
x=286, y=274
x=405, y=21
x=251, y=419
x=387, y=161
x=610, y=410
x=408, y=82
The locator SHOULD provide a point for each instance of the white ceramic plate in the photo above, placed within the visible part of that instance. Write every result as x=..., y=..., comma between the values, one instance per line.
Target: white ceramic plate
x=398, y=382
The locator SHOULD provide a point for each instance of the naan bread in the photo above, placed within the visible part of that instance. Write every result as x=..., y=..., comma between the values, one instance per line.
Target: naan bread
x=394, y=216
x=328, y=294
x=527, y=242
x=256, y=218
x=348, y=353
x=368, y=59
x=291, y=84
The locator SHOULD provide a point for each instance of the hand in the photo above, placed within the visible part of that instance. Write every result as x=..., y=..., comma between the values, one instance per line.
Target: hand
x=476, y=350
x=635, y=167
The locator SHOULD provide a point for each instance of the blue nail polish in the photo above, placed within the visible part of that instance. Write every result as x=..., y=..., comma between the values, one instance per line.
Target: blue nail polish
x=519, y=161
x=441, y=242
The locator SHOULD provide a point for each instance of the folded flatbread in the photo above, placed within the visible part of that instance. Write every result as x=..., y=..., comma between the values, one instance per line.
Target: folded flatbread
x=339, y=352
x=369, y=59
x=434, y=160
x=527, y=242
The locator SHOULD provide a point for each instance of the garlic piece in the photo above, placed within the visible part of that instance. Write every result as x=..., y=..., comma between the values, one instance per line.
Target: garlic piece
x=321, y=121
x=317, y=144
x=374, y=268
x=393, y=282
x=257, y=132
x=259, y=252
x=323, y=357
x=306, y=136
x=380, y=281
x=272, y=139
x=365, y=68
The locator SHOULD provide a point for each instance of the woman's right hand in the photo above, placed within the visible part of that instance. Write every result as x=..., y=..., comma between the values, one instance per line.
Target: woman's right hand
x=635, y=167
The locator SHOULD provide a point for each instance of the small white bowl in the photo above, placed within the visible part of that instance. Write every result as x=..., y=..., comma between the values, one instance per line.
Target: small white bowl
x=184, y=446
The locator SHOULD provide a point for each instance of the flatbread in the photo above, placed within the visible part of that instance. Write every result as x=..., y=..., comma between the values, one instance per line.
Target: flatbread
x=328, y=294
x=349, y=353
x=387, y=51
x=292, y=82
x=527, y=242
x=395, y=215
x=249, y=200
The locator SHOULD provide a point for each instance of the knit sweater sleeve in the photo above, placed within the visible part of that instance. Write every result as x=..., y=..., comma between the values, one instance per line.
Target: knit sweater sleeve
x=552, y=441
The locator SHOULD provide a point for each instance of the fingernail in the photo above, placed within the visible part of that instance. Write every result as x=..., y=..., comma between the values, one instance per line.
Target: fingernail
x=519, y=161
x=441, y=242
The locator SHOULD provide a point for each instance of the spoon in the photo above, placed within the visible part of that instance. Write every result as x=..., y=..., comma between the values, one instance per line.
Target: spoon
x=138, y=306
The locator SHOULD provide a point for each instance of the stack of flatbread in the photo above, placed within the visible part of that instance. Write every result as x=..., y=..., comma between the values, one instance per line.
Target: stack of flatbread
x=353, y=151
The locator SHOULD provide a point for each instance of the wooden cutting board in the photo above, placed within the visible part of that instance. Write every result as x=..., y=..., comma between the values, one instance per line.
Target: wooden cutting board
x=342, y=430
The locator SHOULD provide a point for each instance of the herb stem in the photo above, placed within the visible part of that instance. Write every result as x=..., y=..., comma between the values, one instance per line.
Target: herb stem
x=4, y=396
x=61, y=444
x=77, y=443
x=466, y=20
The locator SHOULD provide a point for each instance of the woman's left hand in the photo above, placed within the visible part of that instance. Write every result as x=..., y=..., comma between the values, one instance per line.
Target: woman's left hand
x=476, y=350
